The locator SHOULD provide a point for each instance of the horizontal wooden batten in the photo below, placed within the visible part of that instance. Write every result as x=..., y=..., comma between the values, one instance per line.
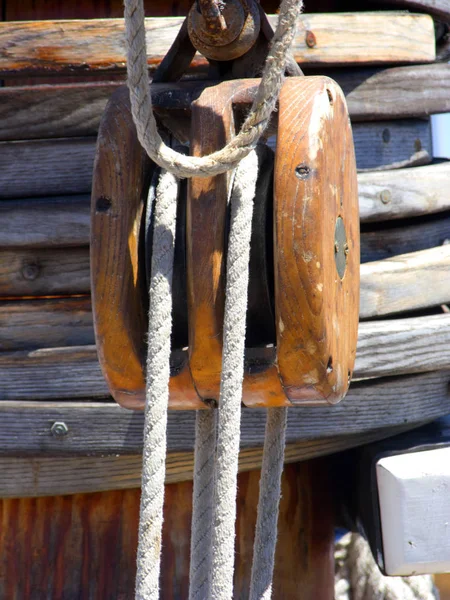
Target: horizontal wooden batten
x=74, y=110
x=402, y=193
x=393, y=347
x=48, y=476
x=64, y=165
x=106, y=428
x=406, y=282
x=43, y=323
x=46, y=47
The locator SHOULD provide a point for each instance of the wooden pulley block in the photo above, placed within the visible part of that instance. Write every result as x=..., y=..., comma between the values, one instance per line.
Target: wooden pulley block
x=304, y=267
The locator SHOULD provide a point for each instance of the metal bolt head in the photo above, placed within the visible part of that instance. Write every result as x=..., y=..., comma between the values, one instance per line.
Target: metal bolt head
x=310, y=39
x=59, y=429
x=385, y=196
x=346, y=249
x=30, y=271
x=336, y=247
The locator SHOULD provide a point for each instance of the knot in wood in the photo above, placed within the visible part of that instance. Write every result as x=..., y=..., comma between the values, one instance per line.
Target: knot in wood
x=224, y=30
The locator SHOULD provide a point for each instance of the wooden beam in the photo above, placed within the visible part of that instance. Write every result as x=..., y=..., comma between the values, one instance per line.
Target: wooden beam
x=44, y=271
x=64, y=165
x=400, y=346
x=46, y=167
x=45, y=222
x=370, y=38
x=386, y=240
x=397, y=93
x=406, y=282
x=45, y=323
x=49, y=476
x=403, y=193
x=74, y=110
x=97, y=428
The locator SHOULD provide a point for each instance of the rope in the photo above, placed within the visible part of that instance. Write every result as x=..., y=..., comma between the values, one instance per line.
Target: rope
x=231, y=379
x=202, y=505
x=157, y=390
x=269, y=500
x=255, y=123
x=357, y=576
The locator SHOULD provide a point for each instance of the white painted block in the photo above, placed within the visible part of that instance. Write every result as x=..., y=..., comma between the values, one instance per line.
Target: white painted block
x=414, y=496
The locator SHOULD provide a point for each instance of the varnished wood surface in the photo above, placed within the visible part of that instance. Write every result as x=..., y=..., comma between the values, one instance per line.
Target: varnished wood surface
x=406, y=282
x=316, y=308
x=100, y=427
x=74, y=110
x=84, y=546
x=370, y=38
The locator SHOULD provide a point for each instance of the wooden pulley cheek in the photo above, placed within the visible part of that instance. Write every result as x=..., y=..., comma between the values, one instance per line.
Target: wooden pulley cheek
x=317, y=242
x=121, y=179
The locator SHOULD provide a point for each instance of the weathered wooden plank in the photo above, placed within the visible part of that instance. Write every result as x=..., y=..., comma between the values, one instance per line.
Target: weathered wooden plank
x=387, y=240
x=64, y=165
x=76, y=46
x=392, y=347
x=105, y=428
x=45, y=222
x=437, y=8
x=52, y=111
x=395, y=93
x=46, y=167
x=406, y=282
x=38, y=324
x=44, y=271
x=49, y=476
x=404, y=192
x=400, y=346
x=383, y=143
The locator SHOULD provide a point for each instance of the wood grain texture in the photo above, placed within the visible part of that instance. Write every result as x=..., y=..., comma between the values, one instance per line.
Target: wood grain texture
x=97, y=428
x=84, y=546
x=405, y=282
x=60, y=46
x=35, y=369
x=387, y=240
x=64, y=166
x=74, y=110
x=36, y=324
x=46, y=167
x=384, y=143
x=212, y=127
x=45, y=222
x=122, y=174
x=396, y=93
x=401, y=346
x=48, y=476
x=437, y=8
x=404, y=192
x=315, y=185
x=44, y=271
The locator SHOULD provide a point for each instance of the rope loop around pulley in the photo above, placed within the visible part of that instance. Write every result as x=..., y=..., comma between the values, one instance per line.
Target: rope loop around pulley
x=257, y=119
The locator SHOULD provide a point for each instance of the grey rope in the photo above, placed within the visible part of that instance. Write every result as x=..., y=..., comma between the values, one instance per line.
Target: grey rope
x=157, y=390
x=228, y=437
x=269, y=500
x=255, y=123
x=202, y=505
x=357, y=576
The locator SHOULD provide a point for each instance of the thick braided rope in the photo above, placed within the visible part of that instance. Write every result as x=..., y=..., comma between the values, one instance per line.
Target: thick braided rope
x=358, y=577
x=228, y=436
x=202, y=504
x=268, y=503
x=157, y=390
x=255, y=123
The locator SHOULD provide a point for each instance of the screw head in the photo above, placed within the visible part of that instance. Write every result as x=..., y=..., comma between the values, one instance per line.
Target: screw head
x=310, y=39
x=385, y=196
x=30, y=271
x=59, y=429
x=346, y=249
x=336, y=247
